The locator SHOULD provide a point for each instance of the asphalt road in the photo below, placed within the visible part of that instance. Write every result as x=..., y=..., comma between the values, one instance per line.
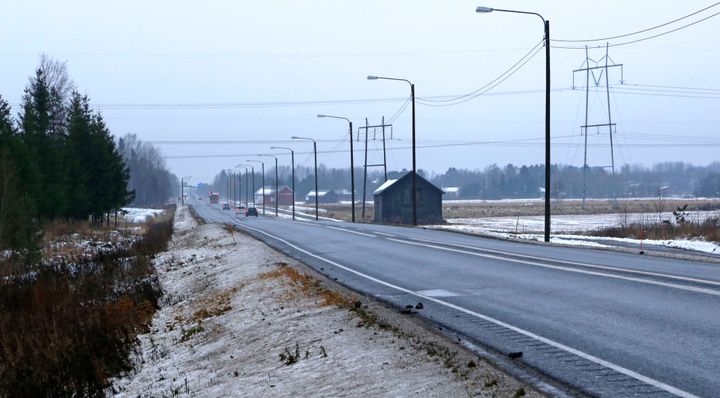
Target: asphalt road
x=610, y=324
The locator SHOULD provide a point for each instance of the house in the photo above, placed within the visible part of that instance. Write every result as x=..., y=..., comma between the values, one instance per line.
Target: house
x=393, y=201
x=285, y=196
x=451, y=193
x=323, y=197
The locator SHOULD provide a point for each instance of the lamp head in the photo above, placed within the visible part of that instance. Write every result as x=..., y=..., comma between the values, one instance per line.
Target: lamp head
x=372, y=77
x=294, y=138
x=483, y=10
x=321, y=115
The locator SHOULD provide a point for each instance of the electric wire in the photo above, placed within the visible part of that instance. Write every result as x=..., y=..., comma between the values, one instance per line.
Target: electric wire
x=507, y=76
x=459, y=97
x=636, y=32
x=641, y=39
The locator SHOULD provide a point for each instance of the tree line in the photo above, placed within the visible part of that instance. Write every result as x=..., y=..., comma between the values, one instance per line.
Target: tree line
x=511, y=181
x=58, y=159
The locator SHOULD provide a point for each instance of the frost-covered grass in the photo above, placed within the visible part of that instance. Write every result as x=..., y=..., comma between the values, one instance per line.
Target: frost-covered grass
x=69, y=322
x=240, y=319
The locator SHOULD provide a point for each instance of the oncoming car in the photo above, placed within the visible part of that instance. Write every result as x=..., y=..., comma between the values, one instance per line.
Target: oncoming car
x=226, y=206
x=251, y=211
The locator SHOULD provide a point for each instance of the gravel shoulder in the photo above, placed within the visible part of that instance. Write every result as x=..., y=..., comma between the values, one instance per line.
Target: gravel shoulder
x=240, y=319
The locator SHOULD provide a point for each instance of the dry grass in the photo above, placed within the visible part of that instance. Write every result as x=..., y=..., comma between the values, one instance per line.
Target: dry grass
x=708, y=230
x=306, y=285
x=70, y=324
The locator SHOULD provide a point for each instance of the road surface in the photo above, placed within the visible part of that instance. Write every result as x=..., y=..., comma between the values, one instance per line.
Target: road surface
x=610, y=324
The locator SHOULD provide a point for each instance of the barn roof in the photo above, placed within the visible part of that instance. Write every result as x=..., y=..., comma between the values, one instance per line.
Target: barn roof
x=389, y=183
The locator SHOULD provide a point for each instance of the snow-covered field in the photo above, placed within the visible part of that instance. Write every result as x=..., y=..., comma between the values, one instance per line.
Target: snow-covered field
x=137, y=215
x=225, y=329
x=566, y=229
x=573, y=223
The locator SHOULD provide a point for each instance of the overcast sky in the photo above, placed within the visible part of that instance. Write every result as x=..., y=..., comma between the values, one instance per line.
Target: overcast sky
x=298, y=59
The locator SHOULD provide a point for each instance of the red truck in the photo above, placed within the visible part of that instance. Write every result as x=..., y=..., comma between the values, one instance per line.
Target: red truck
x=214, y=197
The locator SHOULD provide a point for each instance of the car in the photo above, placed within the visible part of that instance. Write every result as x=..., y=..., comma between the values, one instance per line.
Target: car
x=226, y=206
x=251, y=211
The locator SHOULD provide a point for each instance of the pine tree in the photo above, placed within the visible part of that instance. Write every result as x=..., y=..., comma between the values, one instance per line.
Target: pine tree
x=18, y=224
x=45, y=141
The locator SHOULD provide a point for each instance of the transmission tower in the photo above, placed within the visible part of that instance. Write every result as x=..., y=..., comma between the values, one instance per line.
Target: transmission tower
x=375, y=128
x=599, y=71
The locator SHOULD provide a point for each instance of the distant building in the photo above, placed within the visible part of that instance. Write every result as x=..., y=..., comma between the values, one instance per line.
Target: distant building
x=285, y=196
x=323, y=197
x=451, y=192
x=393, y=201
x=343, y=194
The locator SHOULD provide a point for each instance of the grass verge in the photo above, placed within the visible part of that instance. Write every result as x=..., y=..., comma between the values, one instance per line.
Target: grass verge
x=69, y=325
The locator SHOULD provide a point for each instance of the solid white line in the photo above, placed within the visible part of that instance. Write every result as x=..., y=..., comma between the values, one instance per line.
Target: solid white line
x=589, y=357
x=586, y=265
x=384, y=234
x=352, y=232
x=567, y=269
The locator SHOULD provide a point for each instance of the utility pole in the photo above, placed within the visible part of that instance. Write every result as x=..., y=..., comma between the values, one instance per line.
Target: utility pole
x=292, y=166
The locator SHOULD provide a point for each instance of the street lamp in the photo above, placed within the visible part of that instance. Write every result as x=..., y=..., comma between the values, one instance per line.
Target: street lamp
x=352, y=162
x=292, y=163
x=247, y=193
x=546, y=24
x=317, y=193
x=412, y=96
x=263, y=182
x=276, y=182
x=228, y=186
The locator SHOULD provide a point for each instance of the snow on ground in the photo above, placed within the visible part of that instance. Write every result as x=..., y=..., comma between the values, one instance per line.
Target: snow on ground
x=542, y=199
x=137, y=215
x=574, y=223
x=581, y=240
x=224, y=325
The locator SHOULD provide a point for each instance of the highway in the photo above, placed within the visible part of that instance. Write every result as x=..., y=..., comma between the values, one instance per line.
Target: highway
x=609, y=324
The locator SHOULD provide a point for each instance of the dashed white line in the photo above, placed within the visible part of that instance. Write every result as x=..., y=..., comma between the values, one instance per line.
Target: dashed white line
x=567, y=269
x=579, y=264
x=350, y=231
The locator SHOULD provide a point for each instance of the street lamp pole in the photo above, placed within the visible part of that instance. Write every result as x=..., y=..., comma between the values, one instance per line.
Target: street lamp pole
x=263, y=183
x=317, y=193
x=276, y=182
x=414, y=163
x=352, y=162
x=292, y=164
x=546, y=25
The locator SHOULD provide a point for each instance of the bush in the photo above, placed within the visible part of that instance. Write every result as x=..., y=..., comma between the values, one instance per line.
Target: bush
x=69, y=327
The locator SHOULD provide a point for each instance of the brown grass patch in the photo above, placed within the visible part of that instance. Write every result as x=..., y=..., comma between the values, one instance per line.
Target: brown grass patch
x=68, y=326
x=306, y=285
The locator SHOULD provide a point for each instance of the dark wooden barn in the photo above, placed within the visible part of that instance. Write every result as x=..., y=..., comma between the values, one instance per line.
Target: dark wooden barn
x=393, y=201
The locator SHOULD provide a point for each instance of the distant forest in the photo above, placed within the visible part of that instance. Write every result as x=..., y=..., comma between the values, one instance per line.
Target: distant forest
x=510, y=181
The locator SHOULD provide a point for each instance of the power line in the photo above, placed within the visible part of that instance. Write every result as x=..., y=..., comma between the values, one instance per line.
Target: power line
x=487, y=89
x=642, y=39
x=528, y=54
x=636, y=32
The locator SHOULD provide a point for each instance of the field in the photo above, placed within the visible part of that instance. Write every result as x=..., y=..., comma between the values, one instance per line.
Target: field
x=652, y=208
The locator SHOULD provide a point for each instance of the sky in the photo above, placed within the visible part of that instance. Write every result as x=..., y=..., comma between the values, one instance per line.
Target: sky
x=215, y=83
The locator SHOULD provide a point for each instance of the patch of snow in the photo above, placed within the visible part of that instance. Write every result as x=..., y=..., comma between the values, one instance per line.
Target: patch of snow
x=138, y=215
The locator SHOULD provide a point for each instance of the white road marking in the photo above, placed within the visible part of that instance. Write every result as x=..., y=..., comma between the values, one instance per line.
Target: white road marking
x=350, y=231
x=581, y=354
x=437, y=293
x=567, y=269
x=384, y=234
x=586, y=265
